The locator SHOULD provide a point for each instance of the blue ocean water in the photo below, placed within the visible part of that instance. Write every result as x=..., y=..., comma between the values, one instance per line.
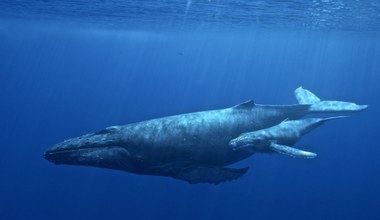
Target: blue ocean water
x=73, y=67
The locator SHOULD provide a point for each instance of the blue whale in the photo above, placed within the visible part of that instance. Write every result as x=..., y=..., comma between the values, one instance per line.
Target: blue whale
x=193, y=147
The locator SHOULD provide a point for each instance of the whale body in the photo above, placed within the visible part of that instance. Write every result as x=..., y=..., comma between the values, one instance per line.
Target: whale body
x=280, y=137
x=193, y=147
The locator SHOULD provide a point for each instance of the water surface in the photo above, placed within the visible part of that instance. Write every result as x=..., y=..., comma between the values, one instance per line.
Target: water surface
x=72, y=67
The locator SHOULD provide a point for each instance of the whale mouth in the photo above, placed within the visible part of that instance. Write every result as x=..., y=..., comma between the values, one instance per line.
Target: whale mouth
x=64, y=156
x=79, y=155
x=60, y=156
x=114, y=157
x=101, y=149
x=95, y=149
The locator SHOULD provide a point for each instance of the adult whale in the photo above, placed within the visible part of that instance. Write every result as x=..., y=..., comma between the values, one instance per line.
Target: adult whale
x=193, y=147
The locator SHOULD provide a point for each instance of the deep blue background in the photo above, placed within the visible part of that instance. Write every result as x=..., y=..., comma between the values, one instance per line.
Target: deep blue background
x=59, y=82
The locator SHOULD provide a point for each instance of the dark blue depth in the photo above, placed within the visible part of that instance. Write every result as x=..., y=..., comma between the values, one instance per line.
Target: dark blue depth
x=61, y=81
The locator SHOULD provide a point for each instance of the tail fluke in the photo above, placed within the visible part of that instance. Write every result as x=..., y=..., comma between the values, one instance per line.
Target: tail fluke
x=336, y=106
x=304, y=96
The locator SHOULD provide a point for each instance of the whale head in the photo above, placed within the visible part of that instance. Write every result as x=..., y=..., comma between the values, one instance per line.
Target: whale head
x=105, y=148
x=256, y=141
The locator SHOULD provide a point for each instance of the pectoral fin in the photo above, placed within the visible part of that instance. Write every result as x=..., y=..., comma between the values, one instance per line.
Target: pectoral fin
x=209, y=174
x=293, y=152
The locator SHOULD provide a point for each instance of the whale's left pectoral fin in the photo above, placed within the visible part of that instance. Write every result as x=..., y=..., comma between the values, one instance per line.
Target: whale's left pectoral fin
x=209, y=174
x=293, y=152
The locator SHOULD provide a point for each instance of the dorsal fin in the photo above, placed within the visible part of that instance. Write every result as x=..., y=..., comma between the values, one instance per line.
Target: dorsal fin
x=245, y=105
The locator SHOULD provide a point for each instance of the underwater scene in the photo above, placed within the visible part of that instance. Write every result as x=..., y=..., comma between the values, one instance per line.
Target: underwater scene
x=189, y=109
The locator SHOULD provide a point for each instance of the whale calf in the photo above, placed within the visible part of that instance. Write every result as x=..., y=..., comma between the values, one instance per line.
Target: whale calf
x=280, y=137
x=193, y=147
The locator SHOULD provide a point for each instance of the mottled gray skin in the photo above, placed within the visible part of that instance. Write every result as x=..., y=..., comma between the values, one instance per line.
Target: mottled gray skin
x=286, y=133
x=167, y=145
x=193, y=147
